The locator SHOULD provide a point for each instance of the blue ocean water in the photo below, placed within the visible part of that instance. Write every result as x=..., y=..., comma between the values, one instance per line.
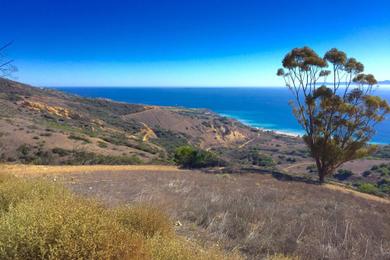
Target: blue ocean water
x=258, y=107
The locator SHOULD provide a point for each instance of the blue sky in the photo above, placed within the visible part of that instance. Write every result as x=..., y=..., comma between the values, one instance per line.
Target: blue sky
x=185, y=43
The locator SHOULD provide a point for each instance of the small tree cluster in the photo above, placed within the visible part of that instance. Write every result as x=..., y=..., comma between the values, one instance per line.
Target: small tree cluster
x=338, y=117
x=190, y=157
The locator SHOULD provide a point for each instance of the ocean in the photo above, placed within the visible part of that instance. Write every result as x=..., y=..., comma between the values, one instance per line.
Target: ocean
x=265, y=107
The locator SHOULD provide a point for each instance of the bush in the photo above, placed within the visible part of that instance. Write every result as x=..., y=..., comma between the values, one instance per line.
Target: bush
x=14, y=190
x=342, y=174
x=190, y=157
x=64, y=229
x=90, y=158
x=60, y=151
x=259, y=159
x=368, y=188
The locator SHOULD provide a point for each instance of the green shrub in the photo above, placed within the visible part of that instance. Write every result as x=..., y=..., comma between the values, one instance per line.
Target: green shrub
x=384, y=185
x=368, y=188
x=259, y=159
x=169, y=140
x=343, y=174
x=60, y=151
x=190, y=157
x=90, y=158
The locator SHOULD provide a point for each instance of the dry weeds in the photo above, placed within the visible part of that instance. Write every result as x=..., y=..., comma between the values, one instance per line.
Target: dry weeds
x=253, y=214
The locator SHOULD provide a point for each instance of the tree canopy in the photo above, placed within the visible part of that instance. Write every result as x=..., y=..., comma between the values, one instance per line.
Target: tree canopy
x=338, y=115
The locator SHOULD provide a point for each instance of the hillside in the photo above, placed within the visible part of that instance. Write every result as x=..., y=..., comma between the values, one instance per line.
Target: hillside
x=257, y=215
x=45, y=126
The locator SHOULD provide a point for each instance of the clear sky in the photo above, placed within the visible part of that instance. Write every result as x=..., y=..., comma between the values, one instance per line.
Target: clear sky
x=185, y=42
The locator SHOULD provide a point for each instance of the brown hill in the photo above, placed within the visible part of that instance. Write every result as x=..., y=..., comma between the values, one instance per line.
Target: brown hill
x=46, y=126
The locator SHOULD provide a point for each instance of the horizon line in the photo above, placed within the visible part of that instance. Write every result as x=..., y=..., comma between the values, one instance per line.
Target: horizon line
x=169, y=86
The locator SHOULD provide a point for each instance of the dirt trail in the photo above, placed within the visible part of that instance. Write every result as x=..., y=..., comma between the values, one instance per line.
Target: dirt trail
x=347, y=190
x=296, y=165
x=246, y=143
x=340, y=187
x=31, y=170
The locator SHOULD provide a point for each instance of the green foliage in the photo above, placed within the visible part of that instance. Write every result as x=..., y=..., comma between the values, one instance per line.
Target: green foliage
x=338, y=121
x=190, y=157
x=169, y=140
x=61, y=152
x=89, y=158
x=368, y=188
x=343, y=174
x=29, y=154
x=255, y=157
x=383, y=169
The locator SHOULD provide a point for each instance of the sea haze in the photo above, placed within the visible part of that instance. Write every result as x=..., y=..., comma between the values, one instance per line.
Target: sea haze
x=265, y=107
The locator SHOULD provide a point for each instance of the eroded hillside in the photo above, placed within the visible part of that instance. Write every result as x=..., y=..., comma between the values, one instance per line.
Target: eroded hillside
x=47, y=126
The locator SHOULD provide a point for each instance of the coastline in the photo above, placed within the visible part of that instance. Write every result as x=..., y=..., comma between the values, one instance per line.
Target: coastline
x=265, y=129
x=279, y=131
x=247, y=111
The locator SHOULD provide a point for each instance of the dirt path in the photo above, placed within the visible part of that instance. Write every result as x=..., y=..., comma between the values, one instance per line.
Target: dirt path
x=340, y=187
x=296, y=165
x=347, y=190
x=246, y=143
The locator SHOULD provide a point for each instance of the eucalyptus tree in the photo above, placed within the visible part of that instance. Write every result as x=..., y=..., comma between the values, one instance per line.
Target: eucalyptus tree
x=339, y=115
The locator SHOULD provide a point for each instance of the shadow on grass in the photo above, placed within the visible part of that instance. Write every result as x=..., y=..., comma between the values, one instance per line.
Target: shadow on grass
x=281, y=176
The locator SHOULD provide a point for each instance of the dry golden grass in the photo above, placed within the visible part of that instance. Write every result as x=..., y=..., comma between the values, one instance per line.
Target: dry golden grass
x=343, y=189
x=259, y=216
x=254, y=214
x=32, y=170
x=29, y=170
x=40, y=220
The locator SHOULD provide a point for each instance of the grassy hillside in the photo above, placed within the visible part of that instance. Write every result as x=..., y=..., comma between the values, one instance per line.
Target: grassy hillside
x=44, y=126
x=255, y=214
x=41, y=220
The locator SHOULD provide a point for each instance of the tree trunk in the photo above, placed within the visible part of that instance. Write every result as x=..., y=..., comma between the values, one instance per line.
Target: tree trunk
x=321, y=171
x=321, y=177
